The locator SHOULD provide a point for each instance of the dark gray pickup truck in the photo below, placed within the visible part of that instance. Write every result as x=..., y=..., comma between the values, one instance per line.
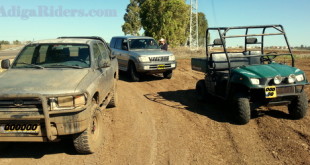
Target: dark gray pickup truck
x=57, y=88
x=142, y=55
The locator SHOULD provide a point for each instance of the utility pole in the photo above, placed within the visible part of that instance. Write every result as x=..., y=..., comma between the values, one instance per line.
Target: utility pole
x=193, y=36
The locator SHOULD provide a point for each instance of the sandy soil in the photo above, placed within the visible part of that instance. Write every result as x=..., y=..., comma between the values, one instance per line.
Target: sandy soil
x=159, y=121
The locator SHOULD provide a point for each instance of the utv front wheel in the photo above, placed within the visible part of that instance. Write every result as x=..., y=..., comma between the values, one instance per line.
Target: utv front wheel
x=299, y=106
x=168, y=74
x=88, y=141
x=242, y=110
x=134, y=75
x=201, y=90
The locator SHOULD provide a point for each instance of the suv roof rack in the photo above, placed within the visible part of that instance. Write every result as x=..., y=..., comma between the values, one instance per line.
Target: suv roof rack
x=83, y=37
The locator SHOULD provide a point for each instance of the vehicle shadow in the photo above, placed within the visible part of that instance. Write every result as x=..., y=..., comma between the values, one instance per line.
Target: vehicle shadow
x=186, y=99
x=35, y=150
x=215, y=109
x=124, y=76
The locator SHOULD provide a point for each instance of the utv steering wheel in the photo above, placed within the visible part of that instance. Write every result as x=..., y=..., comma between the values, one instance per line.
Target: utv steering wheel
x=269, y=58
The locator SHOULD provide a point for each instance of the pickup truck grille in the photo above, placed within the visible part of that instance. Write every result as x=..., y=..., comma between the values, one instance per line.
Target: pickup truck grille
x=21, y=103
x=162, y=58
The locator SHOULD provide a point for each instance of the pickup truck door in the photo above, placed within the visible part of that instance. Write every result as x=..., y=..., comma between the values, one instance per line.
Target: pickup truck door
x=102, y=77
x=109, y=70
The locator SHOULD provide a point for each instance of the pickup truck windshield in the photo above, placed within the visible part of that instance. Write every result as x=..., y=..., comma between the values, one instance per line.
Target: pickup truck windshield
x=53, y=56
x=143, y=44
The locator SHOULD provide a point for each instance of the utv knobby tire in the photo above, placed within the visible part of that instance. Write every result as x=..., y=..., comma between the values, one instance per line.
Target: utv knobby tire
x=168, y=74
x=114, y=100
x=201, y=90
x=242, y=110
x=134, y=75
x=299, y=106
x=90, y=140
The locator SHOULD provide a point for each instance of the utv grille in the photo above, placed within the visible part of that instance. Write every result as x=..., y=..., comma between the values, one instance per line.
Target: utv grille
x=285, y=90
x=21, y=103
x=163, y=58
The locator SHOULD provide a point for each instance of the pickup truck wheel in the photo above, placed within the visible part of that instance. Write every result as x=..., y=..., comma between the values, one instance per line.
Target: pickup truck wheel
x=241, y=107
x=114, y=100
x=88, y=141
x=201, y=91
x=134, y=75
x=299, y=106
x=168, y=74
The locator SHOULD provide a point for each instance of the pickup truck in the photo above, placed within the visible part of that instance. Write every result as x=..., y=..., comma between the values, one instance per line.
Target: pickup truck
x=142, y=55
x=58, y=88
x=252, y=75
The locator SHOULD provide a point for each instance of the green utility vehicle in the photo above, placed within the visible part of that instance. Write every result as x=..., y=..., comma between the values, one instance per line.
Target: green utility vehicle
x=252, y=75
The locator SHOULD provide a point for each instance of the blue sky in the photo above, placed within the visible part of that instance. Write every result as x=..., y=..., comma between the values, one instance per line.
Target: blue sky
x=292, y=14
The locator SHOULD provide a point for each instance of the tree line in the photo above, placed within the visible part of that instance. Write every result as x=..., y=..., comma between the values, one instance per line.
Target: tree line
x=169, y=19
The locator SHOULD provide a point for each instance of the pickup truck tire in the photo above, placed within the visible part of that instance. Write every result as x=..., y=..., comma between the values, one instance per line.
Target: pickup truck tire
x=201, y=90
x=134, y=75
x=88, y=141
x=241, y=107
x=168, y=74
x=299, y=106
x=114, y=100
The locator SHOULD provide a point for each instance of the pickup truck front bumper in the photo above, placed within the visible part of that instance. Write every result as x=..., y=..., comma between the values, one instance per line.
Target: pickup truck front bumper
x=156, y=67
x=51, y=124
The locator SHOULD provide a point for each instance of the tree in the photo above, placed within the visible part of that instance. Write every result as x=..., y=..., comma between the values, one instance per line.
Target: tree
x=132, y=23
x=202, y=28
x=166, y=19
x=16, y=42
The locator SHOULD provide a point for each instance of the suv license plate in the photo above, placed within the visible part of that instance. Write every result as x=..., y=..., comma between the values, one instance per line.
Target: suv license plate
x=19, y=128
x=271, y=92
x=160, y=66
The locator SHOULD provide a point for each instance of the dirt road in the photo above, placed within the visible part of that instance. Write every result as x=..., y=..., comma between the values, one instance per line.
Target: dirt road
x=159, y=121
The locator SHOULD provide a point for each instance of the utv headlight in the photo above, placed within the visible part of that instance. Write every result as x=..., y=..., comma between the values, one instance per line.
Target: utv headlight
x=144, y=59
x=255, y=81
x=291, y=78
x=67, y=102
x=172, y=58
x=300, y=77
x=277, y=80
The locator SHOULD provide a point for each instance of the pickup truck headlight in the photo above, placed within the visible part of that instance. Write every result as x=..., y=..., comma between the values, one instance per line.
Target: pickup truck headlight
x=255, y=81
x=300, y=77
x=144, y=59
x=172, y=58
x=67, y=102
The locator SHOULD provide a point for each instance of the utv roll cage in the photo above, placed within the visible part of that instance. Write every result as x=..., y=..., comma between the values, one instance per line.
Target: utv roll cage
x=222, y=31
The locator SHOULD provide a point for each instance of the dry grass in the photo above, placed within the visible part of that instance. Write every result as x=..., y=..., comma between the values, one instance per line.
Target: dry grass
x=4, y=47
x=186, y=53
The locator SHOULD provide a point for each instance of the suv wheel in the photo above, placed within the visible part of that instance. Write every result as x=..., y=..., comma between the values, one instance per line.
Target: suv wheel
x=299, y=106
x=91, y=139
x=114, y=100
x=241, y=107
x=134, y=75
x=201, y=90
x=168, y=74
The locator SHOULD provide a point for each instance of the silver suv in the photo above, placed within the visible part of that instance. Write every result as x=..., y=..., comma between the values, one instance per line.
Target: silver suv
x=142, y=55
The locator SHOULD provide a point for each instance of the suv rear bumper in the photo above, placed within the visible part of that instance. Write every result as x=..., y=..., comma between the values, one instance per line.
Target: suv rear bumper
x=156, y=67
x=51, y=123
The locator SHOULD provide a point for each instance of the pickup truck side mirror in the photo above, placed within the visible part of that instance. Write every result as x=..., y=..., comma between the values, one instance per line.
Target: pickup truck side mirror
x=112, y=55
x=5, y=64
x=104, y=64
